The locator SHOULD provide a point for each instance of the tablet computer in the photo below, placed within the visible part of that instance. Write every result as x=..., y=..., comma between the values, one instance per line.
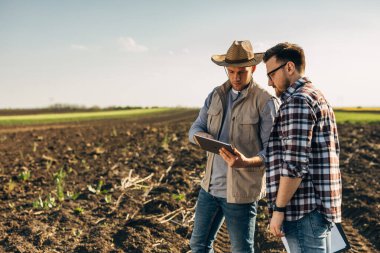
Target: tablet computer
x=338, y=239
x=212, y=145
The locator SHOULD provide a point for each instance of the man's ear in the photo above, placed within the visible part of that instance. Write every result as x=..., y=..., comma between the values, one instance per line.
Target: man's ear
x=291, y=67
x=253, y=68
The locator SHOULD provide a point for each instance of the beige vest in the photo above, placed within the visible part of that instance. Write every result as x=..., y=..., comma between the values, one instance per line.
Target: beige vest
x=244, y=185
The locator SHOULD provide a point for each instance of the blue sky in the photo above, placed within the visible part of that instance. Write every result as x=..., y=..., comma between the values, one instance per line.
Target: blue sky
x=157, y=53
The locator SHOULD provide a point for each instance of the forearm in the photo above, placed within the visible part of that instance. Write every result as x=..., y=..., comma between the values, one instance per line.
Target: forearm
x=238, y=160
x=255, y=161
x=288, y=186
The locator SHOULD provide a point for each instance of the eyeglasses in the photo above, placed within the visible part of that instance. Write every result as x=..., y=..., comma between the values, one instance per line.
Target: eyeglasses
x=269, y=74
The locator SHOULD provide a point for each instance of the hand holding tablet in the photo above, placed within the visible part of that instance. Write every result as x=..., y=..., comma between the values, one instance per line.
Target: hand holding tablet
x=212, y=145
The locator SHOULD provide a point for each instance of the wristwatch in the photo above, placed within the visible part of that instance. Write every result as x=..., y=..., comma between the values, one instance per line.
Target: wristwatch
x=279, y=209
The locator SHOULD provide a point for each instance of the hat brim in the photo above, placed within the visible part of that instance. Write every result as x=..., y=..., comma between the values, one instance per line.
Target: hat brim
x=221, y=61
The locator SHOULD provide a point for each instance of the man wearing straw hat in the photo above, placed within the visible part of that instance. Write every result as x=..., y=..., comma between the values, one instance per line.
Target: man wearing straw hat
x=239, y=112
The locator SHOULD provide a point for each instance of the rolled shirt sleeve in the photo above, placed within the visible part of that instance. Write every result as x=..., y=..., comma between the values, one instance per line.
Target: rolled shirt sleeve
x=298, y=120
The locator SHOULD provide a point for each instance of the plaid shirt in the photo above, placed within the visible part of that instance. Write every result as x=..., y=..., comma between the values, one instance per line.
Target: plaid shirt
x=304, y=144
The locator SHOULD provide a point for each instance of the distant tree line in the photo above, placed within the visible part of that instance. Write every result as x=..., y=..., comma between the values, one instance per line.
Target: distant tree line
x=62, y=108
x=71, y=107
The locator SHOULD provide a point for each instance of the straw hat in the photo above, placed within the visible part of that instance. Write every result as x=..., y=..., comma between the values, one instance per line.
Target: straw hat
x=240, y=54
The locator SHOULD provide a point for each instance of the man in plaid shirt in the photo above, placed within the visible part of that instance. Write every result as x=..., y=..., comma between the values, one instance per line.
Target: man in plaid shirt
x=302, y=156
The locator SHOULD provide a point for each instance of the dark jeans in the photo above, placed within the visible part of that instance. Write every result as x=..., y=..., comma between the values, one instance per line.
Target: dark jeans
x=210, y=213
x=309, y=234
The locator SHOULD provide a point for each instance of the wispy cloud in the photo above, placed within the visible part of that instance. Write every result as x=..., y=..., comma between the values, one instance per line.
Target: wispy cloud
x=128, y=44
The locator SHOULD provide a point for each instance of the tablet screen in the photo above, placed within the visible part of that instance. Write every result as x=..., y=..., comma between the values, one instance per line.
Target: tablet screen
x=212, y=145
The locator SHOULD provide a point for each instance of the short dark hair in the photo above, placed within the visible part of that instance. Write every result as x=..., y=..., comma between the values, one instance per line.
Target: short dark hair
x=285, y=52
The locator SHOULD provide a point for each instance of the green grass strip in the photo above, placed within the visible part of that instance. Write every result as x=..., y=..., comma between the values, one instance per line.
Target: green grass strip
x=341, y=116
x=357, y=117
x=82, y=116
x=358, y=109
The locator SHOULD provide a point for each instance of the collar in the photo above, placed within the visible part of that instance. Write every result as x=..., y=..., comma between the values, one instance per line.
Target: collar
x=226, y=87
x=293, y=87
x=235, y=91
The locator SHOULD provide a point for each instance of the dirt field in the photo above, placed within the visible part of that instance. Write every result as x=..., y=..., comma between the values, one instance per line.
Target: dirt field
x=133, y=185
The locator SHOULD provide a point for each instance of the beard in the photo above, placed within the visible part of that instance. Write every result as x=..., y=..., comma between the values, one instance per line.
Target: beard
x=286, y=85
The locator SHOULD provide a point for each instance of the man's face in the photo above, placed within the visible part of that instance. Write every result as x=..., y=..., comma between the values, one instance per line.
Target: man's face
x=240, y=76
x=277, y=76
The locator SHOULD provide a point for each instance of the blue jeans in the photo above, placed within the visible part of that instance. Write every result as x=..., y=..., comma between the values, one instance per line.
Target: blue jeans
x=311, y=233
x=210, y=213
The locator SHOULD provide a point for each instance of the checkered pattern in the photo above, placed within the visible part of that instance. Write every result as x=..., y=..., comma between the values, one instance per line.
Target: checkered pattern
x=304, y=144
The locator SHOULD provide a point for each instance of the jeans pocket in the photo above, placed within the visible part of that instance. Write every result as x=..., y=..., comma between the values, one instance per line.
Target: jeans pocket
x=290, y=228
x=319, y=225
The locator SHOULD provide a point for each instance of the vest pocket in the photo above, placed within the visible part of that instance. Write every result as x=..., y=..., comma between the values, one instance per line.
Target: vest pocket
x=248, y=131
x=247, y=181
x=213, y=117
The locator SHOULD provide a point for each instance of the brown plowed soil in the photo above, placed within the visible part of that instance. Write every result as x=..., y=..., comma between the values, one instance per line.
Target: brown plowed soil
x=136, y=183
